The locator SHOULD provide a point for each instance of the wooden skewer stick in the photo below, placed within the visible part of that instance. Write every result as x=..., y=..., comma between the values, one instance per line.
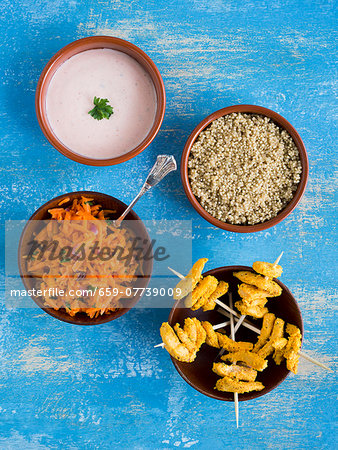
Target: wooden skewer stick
x=237, y=316
x=232, y=334
x=250, y=327
x=179, y=275
x=221, y=325
x=278, y=259
x=245, y=323
x=314, y=361
x=244, y=315
x=239, y=323
x=220, y=353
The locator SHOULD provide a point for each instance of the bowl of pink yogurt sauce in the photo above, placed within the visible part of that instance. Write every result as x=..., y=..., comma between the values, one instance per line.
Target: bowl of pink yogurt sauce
x=128, y=110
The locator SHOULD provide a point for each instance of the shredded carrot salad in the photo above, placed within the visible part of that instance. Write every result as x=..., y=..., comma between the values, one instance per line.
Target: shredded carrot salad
x=77, y=228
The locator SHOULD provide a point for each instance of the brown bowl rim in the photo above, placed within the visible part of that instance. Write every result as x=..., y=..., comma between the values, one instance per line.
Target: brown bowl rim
x=283, y=123
x=251, y=395
x=93, y=42
x=55, y=313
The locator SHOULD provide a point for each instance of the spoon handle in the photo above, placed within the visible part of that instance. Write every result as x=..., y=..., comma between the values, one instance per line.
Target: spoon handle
x=164, y=164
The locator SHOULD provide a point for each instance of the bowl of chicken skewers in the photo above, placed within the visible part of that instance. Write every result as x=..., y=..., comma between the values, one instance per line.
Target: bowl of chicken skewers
x=266, y=324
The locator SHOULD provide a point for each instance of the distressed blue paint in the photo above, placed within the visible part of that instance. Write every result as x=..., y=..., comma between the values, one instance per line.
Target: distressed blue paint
x=69, y=387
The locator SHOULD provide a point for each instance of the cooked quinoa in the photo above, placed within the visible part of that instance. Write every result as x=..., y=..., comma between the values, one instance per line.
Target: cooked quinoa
x=244, y=169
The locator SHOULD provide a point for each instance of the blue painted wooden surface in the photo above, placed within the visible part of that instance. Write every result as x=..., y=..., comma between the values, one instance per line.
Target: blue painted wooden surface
x=64, y=386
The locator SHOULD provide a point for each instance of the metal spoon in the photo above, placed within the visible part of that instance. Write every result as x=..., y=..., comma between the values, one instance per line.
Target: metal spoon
x=164, y=165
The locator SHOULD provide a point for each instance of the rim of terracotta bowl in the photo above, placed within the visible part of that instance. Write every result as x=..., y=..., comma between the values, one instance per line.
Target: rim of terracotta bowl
x=82, y=318
x=91, y=43
x=226, y=396
x=281, y=122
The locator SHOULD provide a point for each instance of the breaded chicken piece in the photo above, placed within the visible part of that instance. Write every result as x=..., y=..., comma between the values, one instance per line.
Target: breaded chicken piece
x=241, y=373
x=183, y=288
x=250, y=359
x=211, y=335
x=222, y=288
x=188, y=284
x=271, y=287
x=279, y=343
x=267, y=269
x=256, y=311
x=268, y=321
x=188, y=300
x=185, y=339
x=190, y=329
x=232, y=346
x=185, y=344
x=202, y=291
x=251, y=292
x=276, y=334
x=278, y=356
x=292, y=329
x=279, y=346
x=254, y=302
x=173, y=345
x=293, y=358
x=200, y=332
x=228, y=384
x=202, y=287
x=292, y=348
x=220, y=340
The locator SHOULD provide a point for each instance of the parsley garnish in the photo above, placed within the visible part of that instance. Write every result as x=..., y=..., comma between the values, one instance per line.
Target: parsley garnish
x=101, y=110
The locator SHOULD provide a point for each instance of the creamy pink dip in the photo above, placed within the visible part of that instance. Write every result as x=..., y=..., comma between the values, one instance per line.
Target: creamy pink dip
x=107, y=74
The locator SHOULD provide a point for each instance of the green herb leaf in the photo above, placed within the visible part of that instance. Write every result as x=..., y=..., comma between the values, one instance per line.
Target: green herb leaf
x=101, y=110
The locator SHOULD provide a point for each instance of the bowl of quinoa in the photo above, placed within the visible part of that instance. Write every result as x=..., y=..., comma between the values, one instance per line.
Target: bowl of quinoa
x=244, y=168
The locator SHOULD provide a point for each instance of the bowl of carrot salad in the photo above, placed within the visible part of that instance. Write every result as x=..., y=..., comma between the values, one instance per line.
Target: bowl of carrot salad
x=77, y=266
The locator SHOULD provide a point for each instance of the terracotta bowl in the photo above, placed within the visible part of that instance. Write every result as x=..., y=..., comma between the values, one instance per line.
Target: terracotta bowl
x=199, y=374
x=280, y=121
x=107, y=202
x=90, y=43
